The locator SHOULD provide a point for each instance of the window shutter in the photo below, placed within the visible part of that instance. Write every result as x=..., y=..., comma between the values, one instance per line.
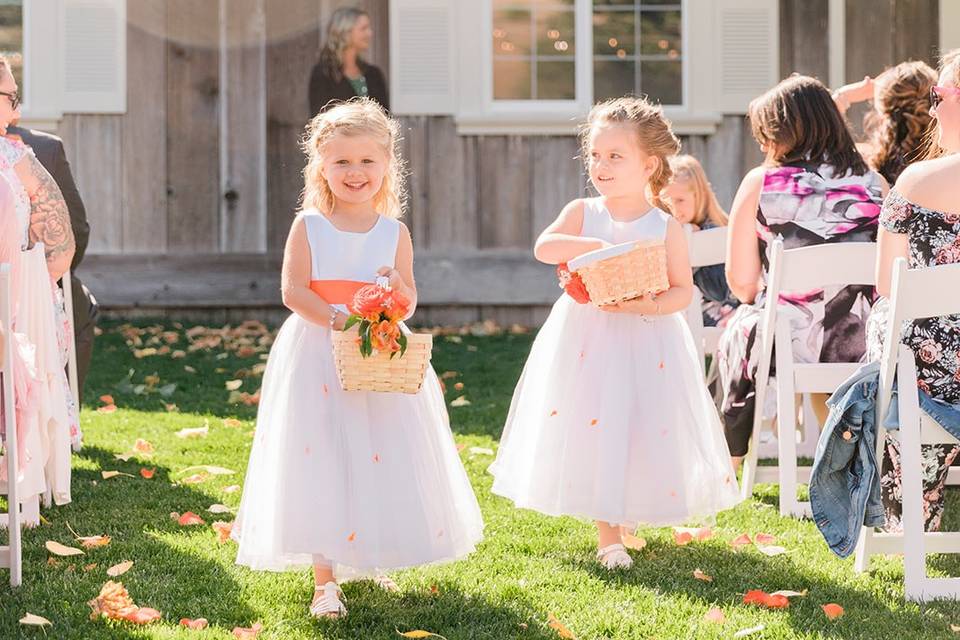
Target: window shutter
x=422, y=57
x=94, y=59
x=749, y=40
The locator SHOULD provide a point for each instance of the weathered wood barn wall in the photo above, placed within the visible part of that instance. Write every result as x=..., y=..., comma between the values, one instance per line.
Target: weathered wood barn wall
x=191, y=192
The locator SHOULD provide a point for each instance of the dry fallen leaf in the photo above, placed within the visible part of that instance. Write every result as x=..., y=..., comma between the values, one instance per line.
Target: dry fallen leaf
x=741, y=541
x=109, y=408
x=700, y=575
x=460, y=402
x=559, y=627
x=834, y=611
x=419, y=633
x=120, y=569
x=955, y=628
x=206, y=468
x=771, y=550
x=34, y=620
x=199, y=623
x=219, y=508
x=188, y=519
x=790, y=594
x=233, y=423
x=232, y=488
x=113, y=474
x=195, y=478
x=764, y=599
x=61, y=550
x=123, y=456
x=195, y=432
x=94, y=541
x=482, y=451
x=743, y=633
x=715, y=615
x=233, y=385
x=764, y=538
x=142, y=446
x=223, y=530
x=247, y=633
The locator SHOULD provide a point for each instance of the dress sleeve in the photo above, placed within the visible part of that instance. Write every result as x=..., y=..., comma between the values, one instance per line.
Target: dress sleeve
x=11, y=152
x=896, y=212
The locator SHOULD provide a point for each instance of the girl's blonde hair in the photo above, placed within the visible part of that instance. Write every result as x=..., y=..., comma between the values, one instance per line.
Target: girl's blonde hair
x=653, y=131
x=339, y=30
x=949, y=65
x=358, y=116
x=687, y=169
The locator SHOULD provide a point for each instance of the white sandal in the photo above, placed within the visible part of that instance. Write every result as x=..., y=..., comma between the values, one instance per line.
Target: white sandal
x=328, y=605
x=614, y=556
x=386, y=583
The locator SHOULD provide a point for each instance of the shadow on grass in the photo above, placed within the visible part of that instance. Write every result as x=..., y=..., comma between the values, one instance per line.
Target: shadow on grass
x=179, y=578
x=664, y=567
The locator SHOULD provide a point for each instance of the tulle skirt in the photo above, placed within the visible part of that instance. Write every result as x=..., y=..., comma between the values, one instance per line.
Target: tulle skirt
x=367, y=481
x=611, y=421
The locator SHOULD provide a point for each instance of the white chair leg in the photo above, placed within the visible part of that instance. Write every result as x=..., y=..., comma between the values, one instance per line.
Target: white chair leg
x=861, y=560
x=914, y=553
x=787, y=447
x=749, y=476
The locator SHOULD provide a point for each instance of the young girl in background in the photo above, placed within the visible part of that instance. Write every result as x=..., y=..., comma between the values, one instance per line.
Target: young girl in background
x=350, y=483
x=611, y=420
x=690, y=199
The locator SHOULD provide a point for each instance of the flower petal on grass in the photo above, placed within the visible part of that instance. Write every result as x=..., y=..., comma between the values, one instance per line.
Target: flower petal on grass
x=119, y=569
x=559, y=627
x=199, y=623
x=62, y=550
x=35, y=620
x=834, y=611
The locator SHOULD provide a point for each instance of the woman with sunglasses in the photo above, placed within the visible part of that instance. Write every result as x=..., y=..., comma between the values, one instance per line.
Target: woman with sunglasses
x=44, y=235
x=920, y=221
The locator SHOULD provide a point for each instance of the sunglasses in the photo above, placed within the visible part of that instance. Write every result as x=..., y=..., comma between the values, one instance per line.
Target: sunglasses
x=938, y=93
x=14, y=99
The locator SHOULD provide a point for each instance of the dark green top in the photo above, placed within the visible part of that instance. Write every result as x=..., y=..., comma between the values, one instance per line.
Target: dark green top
x=359, y=85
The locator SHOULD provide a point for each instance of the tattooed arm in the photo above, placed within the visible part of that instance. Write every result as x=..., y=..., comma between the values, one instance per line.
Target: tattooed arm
x=49, y=216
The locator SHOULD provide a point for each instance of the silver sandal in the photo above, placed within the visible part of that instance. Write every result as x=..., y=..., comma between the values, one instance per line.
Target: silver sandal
x=614, y=556
x=329, y=604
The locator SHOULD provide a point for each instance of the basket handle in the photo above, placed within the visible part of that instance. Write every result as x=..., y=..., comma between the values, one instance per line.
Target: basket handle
x=383, y=282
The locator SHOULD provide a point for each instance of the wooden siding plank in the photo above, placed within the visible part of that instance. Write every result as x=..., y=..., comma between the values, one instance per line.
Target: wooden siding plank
x=557, y=178
x=292, y=42
x=243, y=165
x=451, y=181
x=193, y=126
x=144, y=150
x=97, y=171
x=504, y=192
x=804, y=38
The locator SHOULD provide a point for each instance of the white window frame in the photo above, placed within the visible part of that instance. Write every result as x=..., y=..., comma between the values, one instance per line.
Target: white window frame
x=479, y=114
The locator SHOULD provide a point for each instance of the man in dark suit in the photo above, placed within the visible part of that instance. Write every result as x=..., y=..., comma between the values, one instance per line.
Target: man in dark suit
x=49, y=151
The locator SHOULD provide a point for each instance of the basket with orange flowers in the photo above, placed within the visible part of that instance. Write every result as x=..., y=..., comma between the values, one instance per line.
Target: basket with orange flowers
x=373, y=352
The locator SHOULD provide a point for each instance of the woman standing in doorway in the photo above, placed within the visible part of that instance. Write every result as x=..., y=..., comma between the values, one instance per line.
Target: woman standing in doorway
x=342, y=73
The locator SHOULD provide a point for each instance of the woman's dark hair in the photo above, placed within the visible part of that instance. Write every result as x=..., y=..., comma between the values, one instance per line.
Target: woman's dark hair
x=800, y=122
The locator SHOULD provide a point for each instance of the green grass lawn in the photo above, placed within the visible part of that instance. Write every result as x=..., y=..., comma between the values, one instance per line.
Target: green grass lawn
x=528, y=567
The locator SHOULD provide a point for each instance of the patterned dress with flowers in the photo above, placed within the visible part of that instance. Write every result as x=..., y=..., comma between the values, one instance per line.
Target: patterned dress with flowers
x=934, y=239
x=803, y=205
x=611, y=420
x=364, y=480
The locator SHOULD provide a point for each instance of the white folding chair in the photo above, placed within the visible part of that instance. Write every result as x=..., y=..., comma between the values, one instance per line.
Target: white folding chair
x=802, y=269
x=706, y=248
x=10, y=554
x=67, y=284
x=916, y=293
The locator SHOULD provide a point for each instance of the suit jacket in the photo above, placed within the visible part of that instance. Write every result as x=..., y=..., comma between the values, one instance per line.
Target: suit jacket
x=323, y=88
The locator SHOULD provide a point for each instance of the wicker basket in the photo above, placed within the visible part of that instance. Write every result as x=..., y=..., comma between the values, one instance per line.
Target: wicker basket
x=623, y=271
x=378, y=372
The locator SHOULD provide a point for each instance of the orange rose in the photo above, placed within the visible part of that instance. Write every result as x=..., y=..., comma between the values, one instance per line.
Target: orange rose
x=368, y=300
x=572, y=284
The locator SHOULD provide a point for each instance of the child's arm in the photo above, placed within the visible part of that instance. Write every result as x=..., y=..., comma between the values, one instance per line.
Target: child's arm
x=679, y=274
x=561, y=241
x=401, y=277
x=295, y=281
